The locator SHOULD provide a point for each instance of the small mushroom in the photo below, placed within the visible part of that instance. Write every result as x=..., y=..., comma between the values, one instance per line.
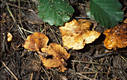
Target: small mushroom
x=116, y=37
x=9, y=37
x=59, y=55
x=36, y=41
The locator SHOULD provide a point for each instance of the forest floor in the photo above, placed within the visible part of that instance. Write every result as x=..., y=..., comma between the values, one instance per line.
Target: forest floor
x=19, y=17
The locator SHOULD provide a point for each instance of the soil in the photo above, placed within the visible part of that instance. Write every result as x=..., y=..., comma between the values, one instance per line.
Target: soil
x=93, y=62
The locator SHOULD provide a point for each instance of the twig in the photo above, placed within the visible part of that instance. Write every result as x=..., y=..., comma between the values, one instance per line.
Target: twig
x=103, y=55
x=46, y=73
x=95, y=76
x=84, y=77
x=88, y=72
x=84, y=62
x=9, y=70
x=13, y=5
x=31, y=76
x=26, y=30
x=53, y=34
x=19, y=16
x=21, y=32
x=42, y=78
x=123, y=58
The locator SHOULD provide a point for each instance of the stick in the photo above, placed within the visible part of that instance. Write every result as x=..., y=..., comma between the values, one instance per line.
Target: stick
x=9, y=71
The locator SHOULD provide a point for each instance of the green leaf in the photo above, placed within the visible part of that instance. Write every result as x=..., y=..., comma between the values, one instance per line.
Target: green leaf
x=106, y=12
x=55, y=12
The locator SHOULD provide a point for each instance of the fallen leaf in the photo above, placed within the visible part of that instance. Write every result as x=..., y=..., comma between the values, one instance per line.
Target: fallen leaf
x=9, y=37
x=76, y=34
x=36, y=41
x=59, y=55
x=116, y=37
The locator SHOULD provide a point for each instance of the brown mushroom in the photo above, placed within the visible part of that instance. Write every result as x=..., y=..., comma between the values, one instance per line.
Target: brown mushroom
x=76, y=34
